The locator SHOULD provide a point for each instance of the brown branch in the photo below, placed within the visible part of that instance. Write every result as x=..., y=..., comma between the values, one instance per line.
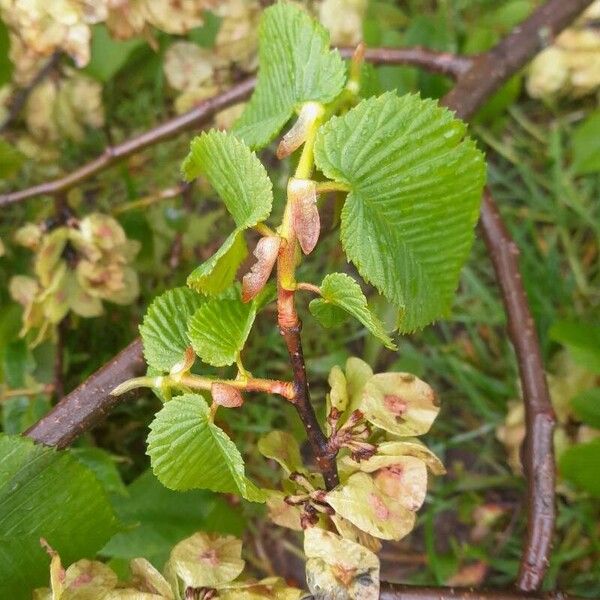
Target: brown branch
x=20, y=98
x=491, y=69
x=439, y=62
x=196, y=117
x=88, y=404
x=392, y=591
x=444, y=63
x=538, y=454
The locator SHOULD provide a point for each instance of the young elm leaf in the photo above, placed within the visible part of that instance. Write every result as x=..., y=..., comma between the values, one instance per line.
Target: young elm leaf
x=218, y=272
x=295, y=66
x=241, y=181
x=187, y=451
x=415, y=185
x=219, y=328
x=342, y=291
x=164, y=329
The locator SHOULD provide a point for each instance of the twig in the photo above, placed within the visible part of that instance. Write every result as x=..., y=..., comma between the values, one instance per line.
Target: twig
x=485, y=77
x=392, y=591
x=289, y=328
x=89, y=403
x=196, y=117
x=491, y=69
x=21, y=96
x=150, y=199
x=198, y=382
x=538, y=455
x=444, y=63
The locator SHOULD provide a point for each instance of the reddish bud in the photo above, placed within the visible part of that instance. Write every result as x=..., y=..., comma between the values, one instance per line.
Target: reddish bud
x=298, y=133
x=265, y=252
x=305, y=214
x=226, y=395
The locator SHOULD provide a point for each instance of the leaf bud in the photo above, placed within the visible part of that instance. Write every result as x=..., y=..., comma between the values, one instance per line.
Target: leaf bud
x=306, y=222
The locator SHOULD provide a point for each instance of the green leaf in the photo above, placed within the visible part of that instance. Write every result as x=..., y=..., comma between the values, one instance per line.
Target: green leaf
x=46, y=493
x=164, y=329
x=241, y=181
x=219, y=328
x=108, y=55
x=338, y=396
x=158, y=518
x=21, y=412
x=235, y=173
x=586, y=145
x=23, y=566
x=341, y=290
x=586, y=406
x=399, y=403
x=206, y=35
x=331, y=556
x=370, y=509
x=219, y=271
x=104, y=467
x=579, y=464
x=295, y=66
x=6, y=66
x=283, y=448
x=10, y=160
x=582, y=340
x=416, y=184
x=187, y=450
